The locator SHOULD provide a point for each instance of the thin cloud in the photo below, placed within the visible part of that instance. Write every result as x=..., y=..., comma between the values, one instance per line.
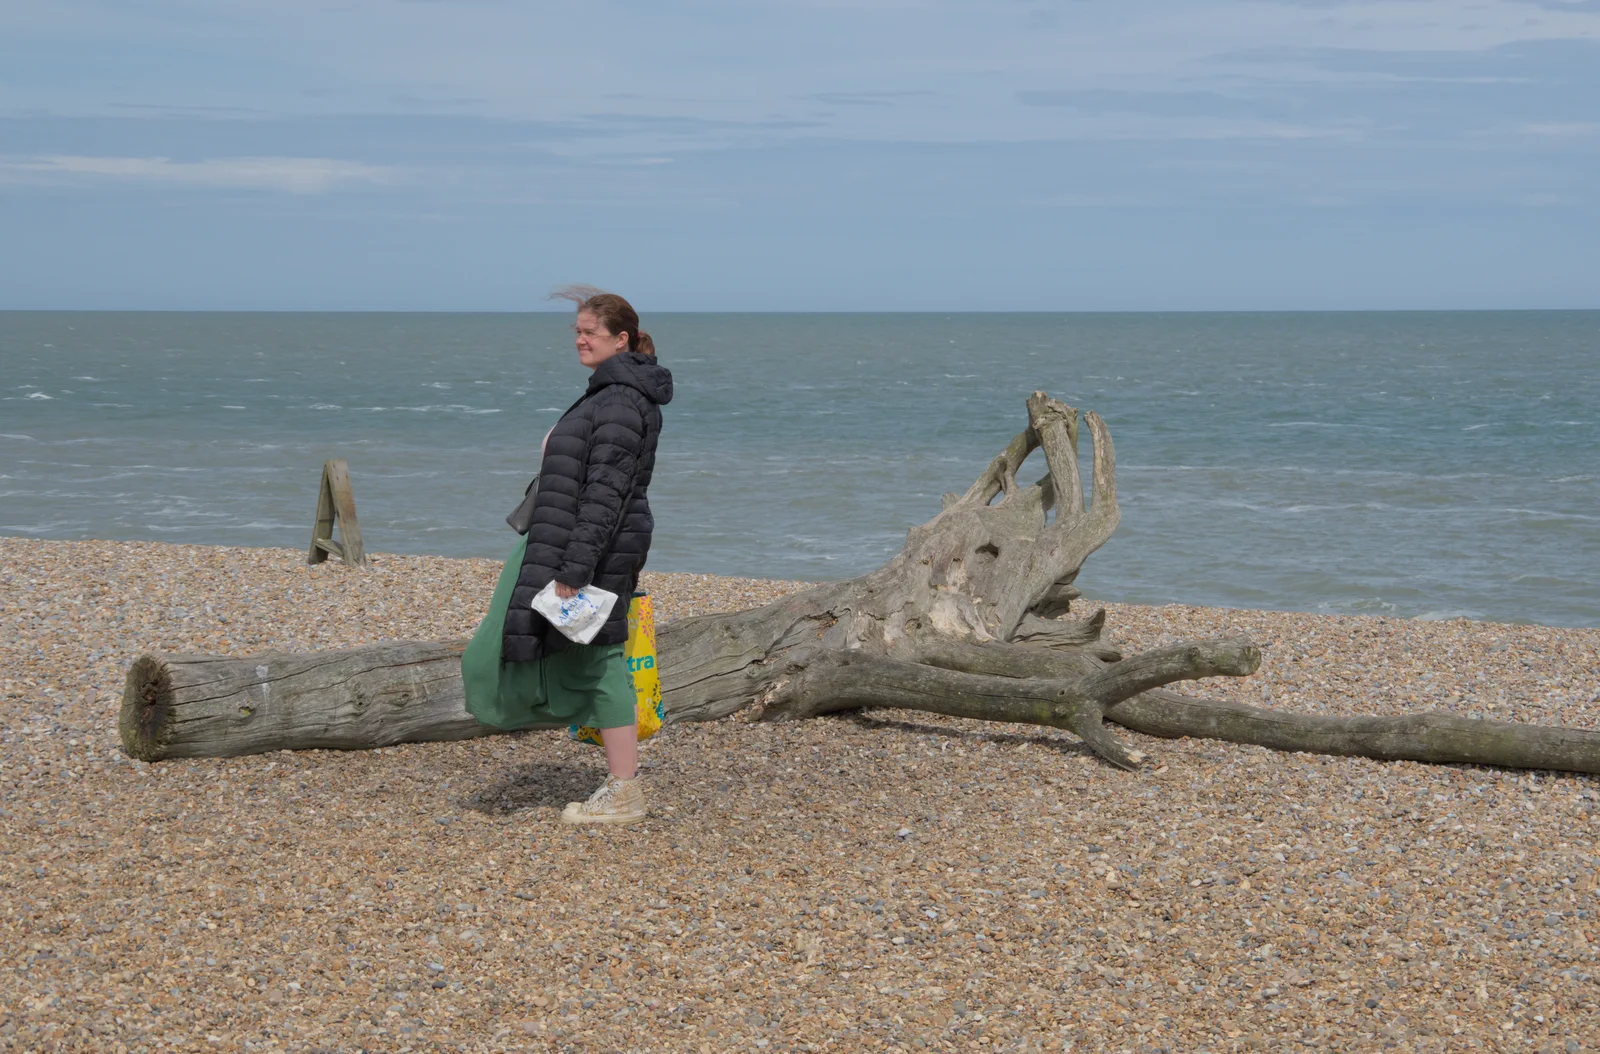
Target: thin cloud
x=1152, y=103
x=288, y=175
x=206, y=111
x=1563, y=129
x=1584, y=6
x=1541, y=60
x=868, y=98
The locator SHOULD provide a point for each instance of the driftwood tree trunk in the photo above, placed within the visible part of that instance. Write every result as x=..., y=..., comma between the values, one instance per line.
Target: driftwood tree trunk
x=966, y=620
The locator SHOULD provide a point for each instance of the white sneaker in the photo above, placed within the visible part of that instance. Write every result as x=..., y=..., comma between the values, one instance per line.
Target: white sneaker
x=617, y=801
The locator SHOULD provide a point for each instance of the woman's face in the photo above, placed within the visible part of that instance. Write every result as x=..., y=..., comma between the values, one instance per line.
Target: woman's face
x=595, y=343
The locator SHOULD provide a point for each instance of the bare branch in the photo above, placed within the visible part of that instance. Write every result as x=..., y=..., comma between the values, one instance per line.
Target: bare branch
x=1002, y=471
x=1056, y=425
x=1231, y=657
x=853, y=682
x=1438, y=738
x=1105, y=471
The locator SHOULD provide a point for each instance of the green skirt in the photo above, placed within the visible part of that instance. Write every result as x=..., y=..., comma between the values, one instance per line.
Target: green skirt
x=584, y=684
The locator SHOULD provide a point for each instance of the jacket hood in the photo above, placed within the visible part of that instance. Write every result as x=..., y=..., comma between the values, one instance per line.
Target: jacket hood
x=641, y=372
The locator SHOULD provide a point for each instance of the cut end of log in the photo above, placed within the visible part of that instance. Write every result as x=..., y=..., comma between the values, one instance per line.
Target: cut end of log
x=1225, y=657
x=146, y=718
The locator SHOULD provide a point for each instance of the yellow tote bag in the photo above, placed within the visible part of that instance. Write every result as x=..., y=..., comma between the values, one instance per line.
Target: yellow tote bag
x=641, y=655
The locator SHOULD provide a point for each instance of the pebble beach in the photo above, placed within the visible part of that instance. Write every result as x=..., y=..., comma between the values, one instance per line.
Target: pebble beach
x=880, y=881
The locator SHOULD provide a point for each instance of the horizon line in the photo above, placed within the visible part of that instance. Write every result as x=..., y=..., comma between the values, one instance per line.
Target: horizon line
x=797, y=311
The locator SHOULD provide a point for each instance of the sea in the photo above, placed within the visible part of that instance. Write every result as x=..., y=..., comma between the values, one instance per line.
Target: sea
x=1410, y=465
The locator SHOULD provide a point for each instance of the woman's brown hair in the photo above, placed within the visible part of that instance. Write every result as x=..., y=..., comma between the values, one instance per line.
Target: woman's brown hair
x=612, y=312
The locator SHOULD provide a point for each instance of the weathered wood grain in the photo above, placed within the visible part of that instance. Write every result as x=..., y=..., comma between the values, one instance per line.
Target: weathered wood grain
x=963, y=622
x=336, y=504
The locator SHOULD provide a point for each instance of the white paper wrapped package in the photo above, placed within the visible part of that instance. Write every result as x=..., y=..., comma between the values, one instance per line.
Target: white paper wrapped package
x=578, y=617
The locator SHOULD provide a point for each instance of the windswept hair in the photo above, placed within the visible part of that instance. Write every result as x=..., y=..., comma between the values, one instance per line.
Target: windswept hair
x=611, y=311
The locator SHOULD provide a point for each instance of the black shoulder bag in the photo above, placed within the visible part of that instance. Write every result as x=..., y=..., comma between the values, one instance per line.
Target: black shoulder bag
x=521, y=517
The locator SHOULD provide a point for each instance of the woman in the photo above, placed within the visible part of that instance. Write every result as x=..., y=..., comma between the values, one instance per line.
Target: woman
x=591, y=525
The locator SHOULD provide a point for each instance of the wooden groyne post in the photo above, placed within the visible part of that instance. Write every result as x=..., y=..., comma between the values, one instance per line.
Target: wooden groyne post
x=336, y=505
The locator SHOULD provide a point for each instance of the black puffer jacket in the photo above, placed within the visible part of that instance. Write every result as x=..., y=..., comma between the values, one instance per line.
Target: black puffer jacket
x=592, y=520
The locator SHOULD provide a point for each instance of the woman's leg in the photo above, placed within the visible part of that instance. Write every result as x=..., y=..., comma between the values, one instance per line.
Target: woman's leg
x=622, y=750
x=620, y=799
x=606, y=682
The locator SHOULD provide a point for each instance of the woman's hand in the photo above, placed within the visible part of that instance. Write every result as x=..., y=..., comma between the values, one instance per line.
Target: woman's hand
x=564, y=591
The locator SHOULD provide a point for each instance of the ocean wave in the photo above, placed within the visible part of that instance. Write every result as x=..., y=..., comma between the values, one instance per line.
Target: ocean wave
x=40, y=395
x=1550, y=514
x=1351, y=425
x=1373, y=473
x=1234, y=503
x=1533, y=578
x=1375, y=506
x=1359, y=606
x=431, y=408
x=48, y=528
x=18, y=435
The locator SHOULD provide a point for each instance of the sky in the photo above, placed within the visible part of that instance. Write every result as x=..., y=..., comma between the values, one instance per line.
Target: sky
x=804, y=155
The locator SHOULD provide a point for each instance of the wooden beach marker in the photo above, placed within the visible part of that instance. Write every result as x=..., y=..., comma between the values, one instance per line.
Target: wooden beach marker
x=336, y=505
